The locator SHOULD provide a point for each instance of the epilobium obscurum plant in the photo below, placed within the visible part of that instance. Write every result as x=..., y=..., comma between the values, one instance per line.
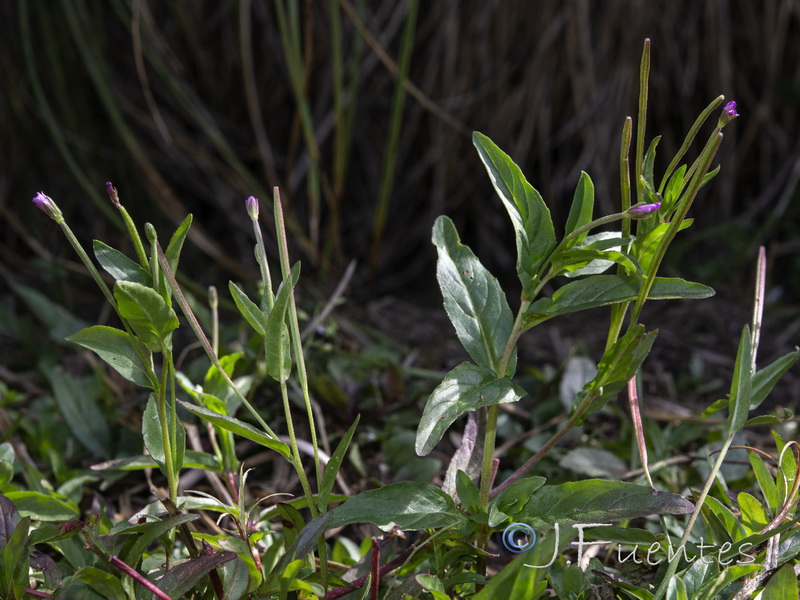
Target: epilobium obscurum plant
x=447, y=555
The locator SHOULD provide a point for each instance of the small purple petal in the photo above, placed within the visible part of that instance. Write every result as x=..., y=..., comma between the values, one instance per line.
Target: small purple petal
x=113, y=195
x=45, y=203
x=42, y=201
x=252, y=207
x=729, y=112
x=644, y=209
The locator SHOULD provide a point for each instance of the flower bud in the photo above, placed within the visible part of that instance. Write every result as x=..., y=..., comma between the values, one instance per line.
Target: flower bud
x=728, y=113
x=113, y=195
x=46, y=205
x=642, y=210
x=252, y=207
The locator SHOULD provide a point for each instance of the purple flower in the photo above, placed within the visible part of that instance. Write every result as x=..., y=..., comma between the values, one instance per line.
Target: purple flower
x=252, y=207
x=642, y=211
x=45, y=203
x=728, y=114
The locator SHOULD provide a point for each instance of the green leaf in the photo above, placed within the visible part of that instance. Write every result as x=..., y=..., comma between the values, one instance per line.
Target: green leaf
x=721, y=522
x=74, y=589
x=192, y=460
x=408, y=505
x=119, y=266
x=782, y=584
x=42, y=507
x=518, y=579
x=514, y=498
x=182, y=577
x=765, y=379
x=739, y=403
x=676, y=590
x=173, y=251
x=105, y=584
x=154, y=440
x=235, y=579
x=215, y=384
x=754, y=517
x=765, y=481
x=9, y=519
x=598, y=501
x=645, y=246
x=465, y=388
x=468, y=494
x=580, y=213
x=249, y=310
x=14, y=566
x=238, y=427
x=602, y=290
x=578, y=262
x=533, y=227
x=118, y=350
x=147, y=313
x=618, y=365
x=332, y=468
x=473, y=299
x=278, y=350
x=81, y=413
x=712, y=589
x=146, y=533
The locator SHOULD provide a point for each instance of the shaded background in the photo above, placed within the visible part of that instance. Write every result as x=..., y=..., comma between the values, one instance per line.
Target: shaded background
x=361, y=112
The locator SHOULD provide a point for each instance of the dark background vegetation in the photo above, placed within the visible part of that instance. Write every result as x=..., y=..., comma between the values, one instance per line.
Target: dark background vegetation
x=193, y=106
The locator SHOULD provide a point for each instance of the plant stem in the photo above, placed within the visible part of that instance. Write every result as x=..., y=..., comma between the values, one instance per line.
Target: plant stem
x=704, y=162
x=644, y=77
x=201, y=336
x=166, y=430
x=673, y=565
x=296, y=460
x=557, y=437
x=294, y=330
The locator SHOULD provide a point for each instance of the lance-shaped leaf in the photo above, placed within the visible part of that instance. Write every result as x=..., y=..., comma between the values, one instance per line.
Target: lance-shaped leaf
x=147, y=313
x=533, y=227
x=645, y=246
x=154, y=440
x=181, y=578
x=408, y=505
x=580, y=213
x=249, y=309
x=278, y=351
x=238, y=427
x=118, y=349
x=602, y=290
x=473, y=299
x=739, y=398
x=465, y=388
x=173, y=251
x=765, y=379
x=332, y=468
x=598, y=501
x=119, y=266
x=618, y=365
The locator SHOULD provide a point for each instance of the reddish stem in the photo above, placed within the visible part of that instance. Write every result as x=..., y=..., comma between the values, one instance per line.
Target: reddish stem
x=133, y=573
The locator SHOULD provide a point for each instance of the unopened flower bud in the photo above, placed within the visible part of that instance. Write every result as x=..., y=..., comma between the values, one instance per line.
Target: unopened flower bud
x=252, y=207
x=113, y=195
x=642, y=210
x=45, y=203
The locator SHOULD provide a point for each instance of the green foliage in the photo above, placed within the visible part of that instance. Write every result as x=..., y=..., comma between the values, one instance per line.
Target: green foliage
x=168, y=551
